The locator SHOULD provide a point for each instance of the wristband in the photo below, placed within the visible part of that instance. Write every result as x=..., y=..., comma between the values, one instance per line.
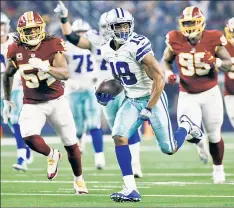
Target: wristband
x=73, y=38
x=63, y=20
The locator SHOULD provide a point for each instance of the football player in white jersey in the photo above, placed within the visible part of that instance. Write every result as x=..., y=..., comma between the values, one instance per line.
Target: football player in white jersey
x=132, y=61
x=24, y=155
x=92, y=41
x=81, y=95
x=110, y=110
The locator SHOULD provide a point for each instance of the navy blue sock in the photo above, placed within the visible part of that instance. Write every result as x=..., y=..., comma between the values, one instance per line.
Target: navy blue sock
x=179, y=136
x=124, y=159
x=19, y=140
x=97, y=138
x=28, y=152
x=134, y=138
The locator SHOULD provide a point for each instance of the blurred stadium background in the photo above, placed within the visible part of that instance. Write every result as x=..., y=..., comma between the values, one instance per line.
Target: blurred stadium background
x=152, y=19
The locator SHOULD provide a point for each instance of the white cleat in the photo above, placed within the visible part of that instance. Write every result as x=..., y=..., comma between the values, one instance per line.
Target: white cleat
x=21, y=165
x=202, y=151
x=203, y=154
x=194, y=131
x=126, y=195
x=99, y=160
x=218, y=177
x=136, y=169
x=80, y=187
x=53, y=162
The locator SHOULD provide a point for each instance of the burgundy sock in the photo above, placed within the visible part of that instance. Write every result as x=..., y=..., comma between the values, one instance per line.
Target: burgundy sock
x=74, y=157
x=217, y=151
x=37, y=143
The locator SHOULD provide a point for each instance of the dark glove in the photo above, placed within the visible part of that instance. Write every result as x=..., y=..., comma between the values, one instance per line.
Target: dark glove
x=104, y=98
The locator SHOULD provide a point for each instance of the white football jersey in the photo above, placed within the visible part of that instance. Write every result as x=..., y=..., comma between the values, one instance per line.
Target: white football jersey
x=17, y=84
x=126, y=64
x=82, y=69
x=96, y=41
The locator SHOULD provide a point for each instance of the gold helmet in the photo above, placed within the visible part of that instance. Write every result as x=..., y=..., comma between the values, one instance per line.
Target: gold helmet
x=229, y=30
x=192, y=22
x=25, y=24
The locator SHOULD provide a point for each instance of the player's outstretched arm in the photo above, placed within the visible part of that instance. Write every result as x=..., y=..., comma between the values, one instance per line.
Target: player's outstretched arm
x=8, y=76
x=223, y=54
x=71, y=36
x=155, y=73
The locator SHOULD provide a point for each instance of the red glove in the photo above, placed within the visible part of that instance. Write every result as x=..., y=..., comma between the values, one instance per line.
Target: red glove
x=209, y=59
x=172, y=79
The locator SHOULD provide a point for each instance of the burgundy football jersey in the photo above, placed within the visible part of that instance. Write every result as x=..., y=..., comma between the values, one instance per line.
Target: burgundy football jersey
x=195, y=76
x=229, y=76
x=38, y=86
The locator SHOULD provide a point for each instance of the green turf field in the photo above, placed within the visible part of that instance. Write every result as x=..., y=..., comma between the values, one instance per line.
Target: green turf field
x=180, y=180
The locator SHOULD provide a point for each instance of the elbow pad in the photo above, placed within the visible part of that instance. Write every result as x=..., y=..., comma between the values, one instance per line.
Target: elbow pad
x=73, y=38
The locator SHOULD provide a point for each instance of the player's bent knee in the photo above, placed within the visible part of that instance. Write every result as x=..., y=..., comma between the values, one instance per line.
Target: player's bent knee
x=14, y=121
x=166, y=149
x=68, y=141
x=93, y=126
x=167, y=152
x=119, y=140
x=214, y=137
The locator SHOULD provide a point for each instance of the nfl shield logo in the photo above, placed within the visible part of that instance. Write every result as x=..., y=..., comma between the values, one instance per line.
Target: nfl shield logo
x=19, y=56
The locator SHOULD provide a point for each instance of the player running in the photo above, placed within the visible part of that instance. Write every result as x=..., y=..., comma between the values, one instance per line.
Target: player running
x=40, y=61
x=132, y=61
x=198, y=52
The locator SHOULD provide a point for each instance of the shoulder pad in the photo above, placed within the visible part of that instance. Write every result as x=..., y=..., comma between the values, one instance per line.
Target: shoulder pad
x=57, y=44
x=218, y=37
x=140, y=46
x=172, y=37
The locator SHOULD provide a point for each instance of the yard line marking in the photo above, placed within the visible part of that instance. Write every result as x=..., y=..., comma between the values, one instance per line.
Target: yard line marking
x=98, y=195
x=141, y=187
x=116, y=182
x=71, y=190
x=146, y=174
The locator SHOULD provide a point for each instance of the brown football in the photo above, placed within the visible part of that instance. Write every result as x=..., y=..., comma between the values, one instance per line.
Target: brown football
x=111, y=86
